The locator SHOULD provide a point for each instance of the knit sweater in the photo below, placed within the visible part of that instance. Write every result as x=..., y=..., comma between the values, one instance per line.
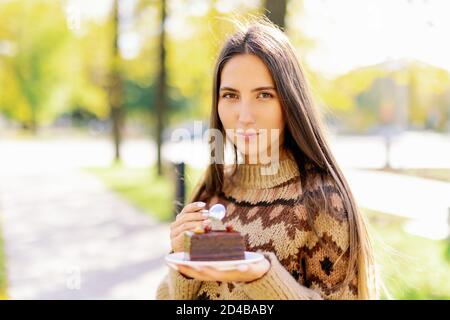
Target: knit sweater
x=270, y=212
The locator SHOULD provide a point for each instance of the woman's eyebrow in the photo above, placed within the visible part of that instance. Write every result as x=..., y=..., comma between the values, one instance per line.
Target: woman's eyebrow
x=253, y=90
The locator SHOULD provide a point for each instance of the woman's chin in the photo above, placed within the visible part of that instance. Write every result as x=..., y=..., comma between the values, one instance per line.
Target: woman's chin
x=257, y=158
x=248, y=150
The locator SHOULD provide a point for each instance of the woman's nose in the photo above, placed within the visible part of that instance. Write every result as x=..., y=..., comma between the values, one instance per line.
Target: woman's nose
x=245, y=114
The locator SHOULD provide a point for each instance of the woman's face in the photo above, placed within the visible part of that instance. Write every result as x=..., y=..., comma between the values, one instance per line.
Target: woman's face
x=249, y=108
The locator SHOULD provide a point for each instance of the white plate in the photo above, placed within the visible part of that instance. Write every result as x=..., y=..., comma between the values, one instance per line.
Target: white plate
x=177, y=258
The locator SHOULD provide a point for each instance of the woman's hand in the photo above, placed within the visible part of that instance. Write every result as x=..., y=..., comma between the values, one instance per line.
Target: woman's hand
x=244, y=273
x=193, y=215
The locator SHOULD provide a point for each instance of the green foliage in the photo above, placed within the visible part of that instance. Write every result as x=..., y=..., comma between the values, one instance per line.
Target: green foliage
x=30, y=77
x=87, y=60
x=139, y=98
x=145, y=189
x=412, y=267
x=56, y=70
x=363, y=97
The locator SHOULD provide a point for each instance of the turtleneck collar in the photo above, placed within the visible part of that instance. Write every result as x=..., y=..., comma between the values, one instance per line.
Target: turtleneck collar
x=260, y=176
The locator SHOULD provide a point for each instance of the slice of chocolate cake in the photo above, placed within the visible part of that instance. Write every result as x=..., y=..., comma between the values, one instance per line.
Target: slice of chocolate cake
x=214, y=245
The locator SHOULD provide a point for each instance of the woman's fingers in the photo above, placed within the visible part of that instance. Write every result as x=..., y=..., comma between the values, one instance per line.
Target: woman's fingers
x=191, y=207
x=177, y=243
x=191, y=212
x=190, y=216
x=177, y=235
x=188, y=226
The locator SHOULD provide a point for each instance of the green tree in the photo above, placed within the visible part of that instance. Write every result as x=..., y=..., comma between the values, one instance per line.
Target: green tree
x=30, y=78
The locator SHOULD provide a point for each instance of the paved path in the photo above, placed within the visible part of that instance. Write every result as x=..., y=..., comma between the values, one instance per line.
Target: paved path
x=426, y=202
x=67, y=237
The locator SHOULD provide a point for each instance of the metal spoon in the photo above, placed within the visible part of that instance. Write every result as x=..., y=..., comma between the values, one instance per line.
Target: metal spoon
x=217, y=211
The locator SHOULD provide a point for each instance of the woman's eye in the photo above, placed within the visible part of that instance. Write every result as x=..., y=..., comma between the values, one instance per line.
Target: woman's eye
x=229, y=96
x=265, y=95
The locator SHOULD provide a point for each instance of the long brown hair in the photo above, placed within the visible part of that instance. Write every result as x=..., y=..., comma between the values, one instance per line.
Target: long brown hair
x=304, y=135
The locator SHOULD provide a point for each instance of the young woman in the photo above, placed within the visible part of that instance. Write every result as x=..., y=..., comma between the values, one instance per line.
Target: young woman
x=295, y=207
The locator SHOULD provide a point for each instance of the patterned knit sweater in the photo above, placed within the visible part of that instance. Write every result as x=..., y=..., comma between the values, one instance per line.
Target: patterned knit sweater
x=270, y=212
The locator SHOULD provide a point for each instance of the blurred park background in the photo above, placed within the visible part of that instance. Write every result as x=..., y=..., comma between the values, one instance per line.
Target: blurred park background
x=91, y=91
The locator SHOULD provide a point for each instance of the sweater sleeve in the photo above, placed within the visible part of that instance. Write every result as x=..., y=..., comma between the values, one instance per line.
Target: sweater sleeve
x=277, y=284
x=325, y=264
x=325, y=270
x=325, y=261
x=176, y=286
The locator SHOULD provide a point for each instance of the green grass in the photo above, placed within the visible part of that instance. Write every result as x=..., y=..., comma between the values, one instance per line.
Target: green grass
x=3, y=279
x=435, y=174
x=412, y=267
x=143, y=188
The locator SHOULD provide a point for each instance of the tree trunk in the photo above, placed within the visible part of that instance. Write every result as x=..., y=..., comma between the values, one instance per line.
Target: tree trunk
x=115, y=87
x=161, y=89
x=117, y=117
x=276, y=11
x=33, y=121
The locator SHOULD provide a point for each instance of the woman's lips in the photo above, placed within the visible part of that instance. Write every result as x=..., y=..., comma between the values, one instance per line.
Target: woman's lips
x=246, y=135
